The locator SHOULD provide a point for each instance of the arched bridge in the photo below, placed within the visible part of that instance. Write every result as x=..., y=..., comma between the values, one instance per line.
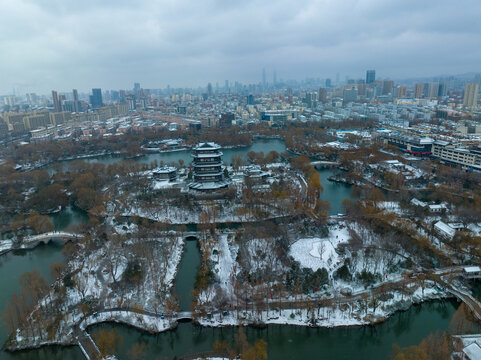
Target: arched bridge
x=46, y=237
x=184, y=315
x=191, y=234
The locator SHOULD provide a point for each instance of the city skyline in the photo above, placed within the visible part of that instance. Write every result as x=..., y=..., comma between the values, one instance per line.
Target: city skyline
x=185, y=44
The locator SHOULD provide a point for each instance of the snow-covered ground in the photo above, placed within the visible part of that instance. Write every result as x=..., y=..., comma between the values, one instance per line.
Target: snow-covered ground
x=176, y=215
x=154, y=324
x=98, y=278
x=5, y=245
x=316, y=253
x=346, y=314
x=225, y=267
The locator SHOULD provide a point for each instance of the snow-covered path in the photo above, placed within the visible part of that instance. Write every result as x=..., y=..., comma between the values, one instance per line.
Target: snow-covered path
x=226, y=264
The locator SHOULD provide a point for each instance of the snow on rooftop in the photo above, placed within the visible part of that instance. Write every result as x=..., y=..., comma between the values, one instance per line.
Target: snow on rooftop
x=472, y=269
x=207, y=146
x=417, y=202
x=444, y=228
x=473, y=351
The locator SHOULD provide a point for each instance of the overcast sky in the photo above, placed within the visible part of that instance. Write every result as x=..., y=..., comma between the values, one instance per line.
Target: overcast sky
x=65, y=44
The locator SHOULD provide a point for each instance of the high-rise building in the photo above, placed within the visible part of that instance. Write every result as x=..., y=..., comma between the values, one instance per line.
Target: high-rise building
x=418, y=91
x=387, y=86
x=114, y=95
x=274, y=78
x=32, y=98
x=322, y=95
x=361, y=88
x=402, y=91
x=10, y=100
x=264, y=82
x=349, y=95
x=425, y=90
x=96, y=98
x=433, y=90
x=471, y=95
x=56, y=104
x=136, y=87
x=328, y=83
x=3, y=128
x=250, y=99
x=443, y=90
x=226, y=120
x=370, y=76
x=76, y=104
x=210, y=91
x=311, y=99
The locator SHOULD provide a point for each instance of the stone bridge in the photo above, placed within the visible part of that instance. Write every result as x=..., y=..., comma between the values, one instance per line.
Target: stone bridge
x=46, y=237
x=191, y=234
x=184, y=315
x=322, y=164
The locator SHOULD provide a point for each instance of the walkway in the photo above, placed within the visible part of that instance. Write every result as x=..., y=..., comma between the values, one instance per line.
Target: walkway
x=87, y=345
x=184, y=315
x=468, y=299
x=473, y=304
x=324, y=163
x=188, y=234
x=46, y=237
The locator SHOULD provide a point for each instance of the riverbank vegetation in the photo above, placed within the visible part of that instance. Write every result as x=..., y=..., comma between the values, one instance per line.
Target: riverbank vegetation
x=128, y=271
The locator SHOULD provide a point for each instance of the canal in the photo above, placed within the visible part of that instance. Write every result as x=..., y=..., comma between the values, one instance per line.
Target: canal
x=186, y=275
x=295, y=342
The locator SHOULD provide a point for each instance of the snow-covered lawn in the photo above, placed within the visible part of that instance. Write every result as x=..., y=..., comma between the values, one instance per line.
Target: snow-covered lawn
x=316, y=253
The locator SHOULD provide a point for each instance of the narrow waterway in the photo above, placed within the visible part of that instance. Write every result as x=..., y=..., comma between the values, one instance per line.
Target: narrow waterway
x=186, y=275
x=295, y=342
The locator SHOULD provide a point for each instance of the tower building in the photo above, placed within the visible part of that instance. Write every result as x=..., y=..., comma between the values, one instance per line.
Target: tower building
x=56, y=103
x=96, y=98
x=370, y=76
x=207, y=167
x=471, y=95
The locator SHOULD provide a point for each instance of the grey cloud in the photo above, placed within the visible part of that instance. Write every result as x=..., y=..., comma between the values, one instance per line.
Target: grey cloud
x=69, y=43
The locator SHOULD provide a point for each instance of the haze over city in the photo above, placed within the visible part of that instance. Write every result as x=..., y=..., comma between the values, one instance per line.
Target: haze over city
x=64, y=44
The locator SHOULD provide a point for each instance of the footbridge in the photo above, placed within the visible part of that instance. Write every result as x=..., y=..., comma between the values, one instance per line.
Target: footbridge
x=468, y=299
x=446, y=280
x=87, y=345
x=184, y=315
x=46, y=237
x=191, y=234
x=321, y=164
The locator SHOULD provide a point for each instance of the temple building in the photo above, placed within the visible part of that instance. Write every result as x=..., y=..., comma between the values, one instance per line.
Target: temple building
x=207, y=167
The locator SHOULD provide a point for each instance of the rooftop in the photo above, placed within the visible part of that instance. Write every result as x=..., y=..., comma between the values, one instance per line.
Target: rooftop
x=207, y=146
